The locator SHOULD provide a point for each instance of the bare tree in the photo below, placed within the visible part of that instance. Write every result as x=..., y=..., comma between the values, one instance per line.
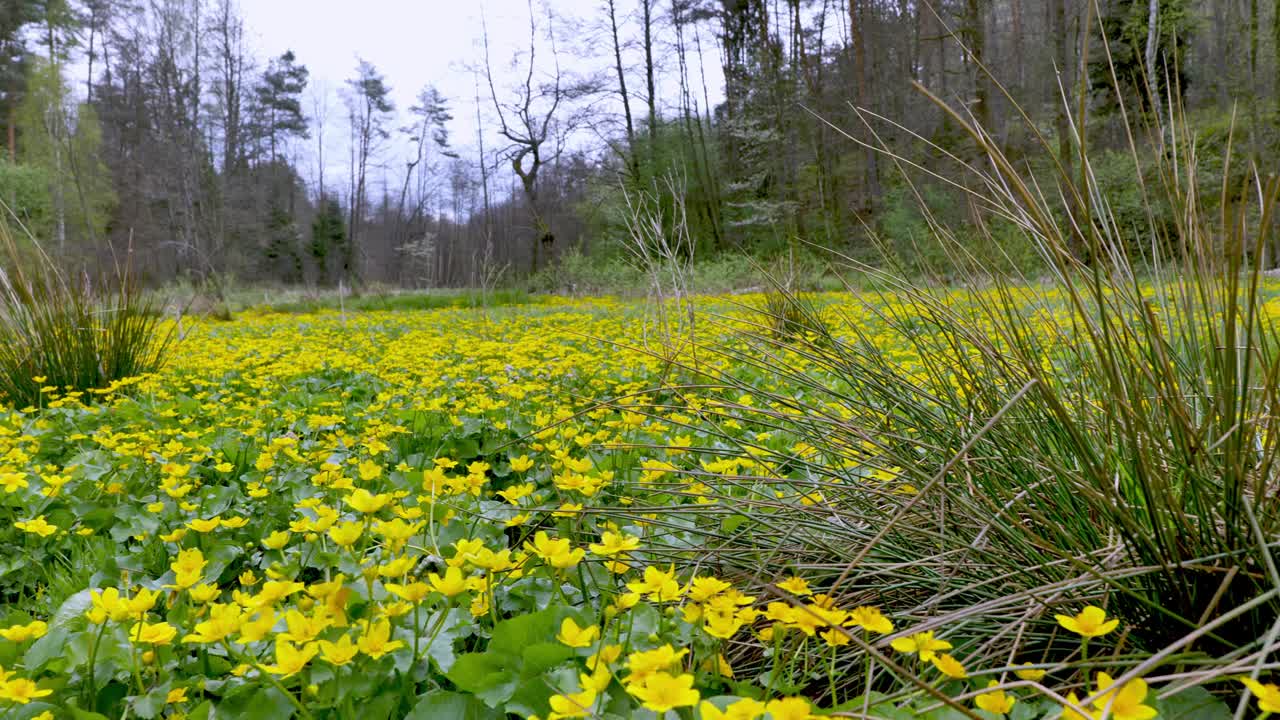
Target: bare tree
x=633, y=163
x=527, y=120
x=369, y=108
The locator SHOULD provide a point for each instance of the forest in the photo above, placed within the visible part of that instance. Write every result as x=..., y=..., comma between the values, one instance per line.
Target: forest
x=153, y=126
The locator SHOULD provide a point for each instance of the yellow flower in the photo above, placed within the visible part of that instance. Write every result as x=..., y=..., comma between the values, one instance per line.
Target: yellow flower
x=12, y=481
x=290, y=658
x=369, y=470
x=1027, y=672
x=658, y=585
x=161, y=633
x=21, y=691
x=276, y=540
x=950, y=667
x=556, y=552
x=339, y=653
x=363, y=501
x=345, y=534
x=398, y=567
x=1070, y=714
x=1268, y=695
x=411, y=592
x=376, y=640
x=612, y=543
x=723, y=624
x=106, y=604
x=521, y=463
x=998, y=702
x=642, y=664
x=453, y=582
x=1127, y=702
x=1090, y=623
x=870, y=619
x=661, y=691
x=744, y=709
x=305, y=628
x=703, y=587
x=223, y=621
x=572, y=705
x=789, y=709
x=922, y=644
x=141, y=602
x=37, y=526
x=796, y=586
x=257, y=630
x=577, y=637
x=204, y=526
x=176, y=695
x=22, y=633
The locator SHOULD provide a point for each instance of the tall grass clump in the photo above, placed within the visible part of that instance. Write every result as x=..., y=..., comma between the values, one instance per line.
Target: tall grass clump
x=66, y=332
x=979, y=459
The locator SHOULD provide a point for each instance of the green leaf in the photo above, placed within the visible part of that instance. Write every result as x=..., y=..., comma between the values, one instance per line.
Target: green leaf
x=512, y=636
x=540, y=657
x=150, y=705
x=265, y=704
x=490, y=677
x=731, y=523
x=445, y=704
x=1193, y=704
x=52, y=645
x=71, y=609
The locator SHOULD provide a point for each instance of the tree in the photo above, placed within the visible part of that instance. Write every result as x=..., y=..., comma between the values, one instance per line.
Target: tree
x=14, y=16
x=64, y=143
x=228, y=90
x=633, y=164
x=369, y=109
x=1148, y=40
x=525, y=121
x=328, y=249
x=279, y=98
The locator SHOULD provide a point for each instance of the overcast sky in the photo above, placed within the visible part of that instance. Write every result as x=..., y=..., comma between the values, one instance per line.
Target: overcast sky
x=419, y=42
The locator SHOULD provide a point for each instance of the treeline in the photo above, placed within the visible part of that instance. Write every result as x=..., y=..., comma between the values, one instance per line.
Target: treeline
x=151, y=127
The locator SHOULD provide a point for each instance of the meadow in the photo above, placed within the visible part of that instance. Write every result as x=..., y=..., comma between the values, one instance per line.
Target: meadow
x=752, y=507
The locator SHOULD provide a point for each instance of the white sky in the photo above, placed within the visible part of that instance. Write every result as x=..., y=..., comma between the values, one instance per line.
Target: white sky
x=418, y=42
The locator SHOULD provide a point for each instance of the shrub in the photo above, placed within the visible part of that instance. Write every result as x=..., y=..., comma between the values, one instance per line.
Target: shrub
x=69, y=333
x=991, y=456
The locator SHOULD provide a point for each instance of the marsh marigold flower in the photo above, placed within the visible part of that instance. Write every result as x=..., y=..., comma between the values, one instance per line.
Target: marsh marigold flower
x=1268, y=694
x=922, y=644
x=998, y=702
x=22, y=633
x=1126, y=701
x=21, y=691
x=744, y=709
x=572, y=705
x=1091, y=622
x=662, y=691
x=577, y=637
x=789, y=709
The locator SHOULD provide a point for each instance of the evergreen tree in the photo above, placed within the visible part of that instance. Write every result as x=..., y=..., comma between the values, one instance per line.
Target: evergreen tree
x=279, y=97
x=329, y=249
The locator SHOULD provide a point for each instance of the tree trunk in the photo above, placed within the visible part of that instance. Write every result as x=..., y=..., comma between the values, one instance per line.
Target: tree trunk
x=975, y=42
x=871, y=158
x=1149, y=58
x=646, y=7
x=633, y=161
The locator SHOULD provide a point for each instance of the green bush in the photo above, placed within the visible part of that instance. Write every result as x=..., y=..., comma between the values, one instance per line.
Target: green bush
x=67, y=333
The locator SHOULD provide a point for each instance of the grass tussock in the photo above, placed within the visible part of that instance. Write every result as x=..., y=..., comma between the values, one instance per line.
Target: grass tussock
x=1003, y=454
x=68, y=332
